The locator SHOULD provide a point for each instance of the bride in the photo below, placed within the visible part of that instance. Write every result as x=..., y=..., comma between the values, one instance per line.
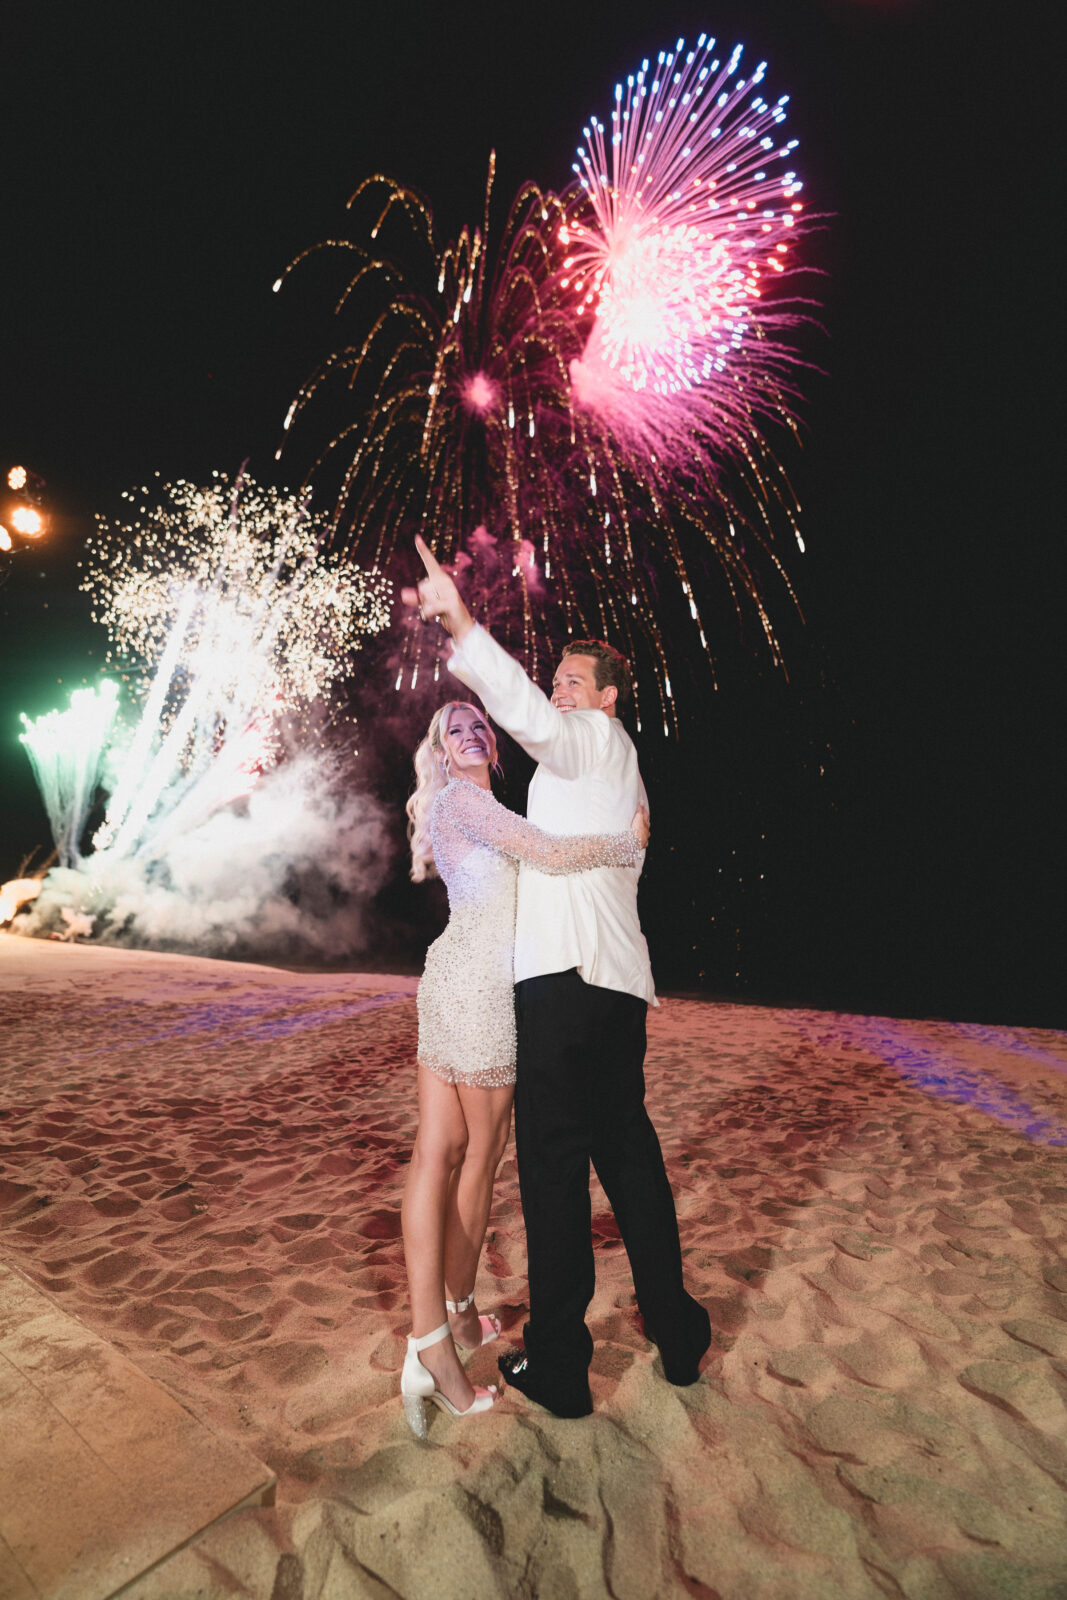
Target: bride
x=466, y=1053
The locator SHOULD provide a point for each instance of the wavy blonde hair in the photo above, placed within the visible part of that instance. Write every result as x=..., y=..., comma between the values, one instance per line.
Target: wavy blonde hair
x=432, y=772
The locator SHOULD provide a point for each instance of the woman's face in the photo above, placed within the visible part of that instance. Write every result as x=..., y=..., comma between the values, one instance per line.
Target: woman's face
x=468, y=741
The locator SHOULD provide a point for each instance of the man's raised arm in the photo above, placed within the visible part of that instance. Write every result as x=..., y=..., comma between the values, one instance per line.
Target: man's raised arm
x=566, y=745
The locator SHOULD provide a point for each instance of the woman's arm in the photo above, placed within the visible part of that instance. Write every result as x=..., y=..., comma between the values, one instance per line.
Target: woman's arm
x=483, y=820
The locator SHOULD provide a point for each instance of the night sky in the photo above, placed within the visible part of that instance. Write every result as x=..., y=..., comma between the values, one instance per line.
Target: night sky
x=879, y=833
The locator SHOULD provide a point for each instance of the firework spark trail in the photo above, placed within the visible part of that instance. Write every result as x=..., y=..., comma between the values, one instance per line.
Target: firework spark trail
x=469, y=434
x=66, y=750
x=133, y=781
x=457, y=364
x=573, y=407
x=459, y=371
x=234, y=627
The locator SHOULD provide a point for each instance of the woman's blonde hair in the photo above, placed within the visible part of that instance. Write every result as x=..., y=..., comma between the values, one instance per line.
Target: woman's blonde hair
x=432, y=772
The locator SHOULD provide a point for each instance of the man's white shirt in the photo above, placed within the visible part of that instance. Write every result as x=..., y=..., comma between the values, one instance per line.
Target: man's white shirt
x=587, y=781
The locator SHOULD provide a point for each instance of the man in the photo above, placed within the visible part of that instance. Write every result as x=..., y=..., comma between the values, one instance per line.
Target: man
x=583, y=985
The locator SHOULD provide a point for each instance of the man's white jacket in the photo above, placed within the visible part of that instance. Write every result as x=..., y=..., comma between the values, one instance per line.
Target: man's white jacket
x=587, y=781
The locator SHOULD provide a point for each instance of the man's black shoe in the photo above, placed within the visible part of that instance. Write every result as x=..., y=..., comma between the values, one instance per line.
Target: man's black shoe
x=680, y=1373
x=571, y=1400
x=681, y=1362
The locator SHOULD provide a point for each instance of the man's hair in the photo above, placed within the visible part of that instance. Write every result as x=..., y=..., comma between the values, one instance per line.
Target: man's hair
x=610, y=666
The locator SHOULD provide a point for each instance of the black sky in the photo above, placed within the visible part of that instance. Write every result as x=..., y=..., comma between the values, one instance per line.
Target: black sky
x=161, y=166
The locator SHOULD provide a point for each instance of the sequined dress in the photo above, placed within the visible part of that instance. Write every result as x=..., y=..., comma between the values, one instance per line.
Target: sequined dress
x=466, y=995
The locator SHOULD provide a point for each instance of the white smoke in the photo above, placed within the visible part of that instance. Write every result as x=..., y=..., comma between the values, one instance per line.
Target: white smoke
x=288, y=871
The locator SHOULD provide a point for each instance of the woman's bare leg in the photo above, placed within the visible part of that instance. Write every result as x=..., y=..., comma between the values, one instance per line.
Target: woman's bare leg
x=440, y=1146
x=487, y=1114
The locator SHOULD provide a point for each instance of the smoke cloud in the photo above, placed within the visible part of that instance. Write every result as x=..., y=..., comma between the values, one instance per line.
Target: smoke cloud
x=287, y=872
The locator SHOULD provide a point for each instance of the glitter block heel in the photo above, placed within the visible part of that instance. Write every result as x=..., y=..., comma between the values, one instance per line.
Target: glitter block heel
x=417, y=1387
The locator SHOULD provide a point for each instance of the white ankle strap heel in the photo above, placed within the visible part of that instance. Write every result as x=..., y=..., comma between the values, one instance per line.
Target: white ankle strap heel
x=417, y=1386
x=490, y=1326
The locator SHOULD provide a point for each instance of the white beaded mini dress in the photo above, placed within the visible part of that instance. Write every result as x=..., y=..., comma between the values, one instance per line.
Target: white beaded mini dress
x=466, y=996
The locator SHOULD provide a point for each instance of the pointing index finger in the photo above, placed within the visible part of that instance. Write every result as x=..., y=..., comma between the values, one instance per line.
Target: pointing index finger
x=429, y=560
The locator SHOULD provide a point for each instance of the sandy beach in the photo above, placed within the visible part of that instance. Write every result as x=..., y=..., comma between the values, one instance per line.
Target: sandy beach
x=204, y=1162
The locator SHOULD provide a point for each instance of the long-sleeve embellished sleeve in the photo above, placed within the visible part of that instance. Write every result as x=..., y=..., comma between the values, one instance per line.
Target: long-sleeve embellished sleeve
x=483, y=820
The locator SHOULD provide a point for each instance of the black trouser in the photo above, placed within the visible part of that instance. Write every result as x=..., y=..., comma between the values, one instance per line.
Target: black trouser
x=580, y=1096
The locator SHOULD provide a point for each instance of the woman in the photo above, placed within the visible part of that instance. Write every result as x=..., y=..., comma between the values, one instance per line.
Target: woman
x=466, y=1070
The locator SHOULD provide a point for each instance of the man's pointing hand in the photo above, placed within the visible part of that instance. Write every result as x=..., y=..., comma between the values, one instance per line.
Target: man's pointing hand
x=437, y=596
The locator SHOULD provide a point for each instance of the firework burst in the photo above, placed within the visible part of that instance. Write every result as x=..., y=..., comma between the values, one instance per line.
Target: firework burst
x=231, y=626
x=685, y=209
x=571, y=410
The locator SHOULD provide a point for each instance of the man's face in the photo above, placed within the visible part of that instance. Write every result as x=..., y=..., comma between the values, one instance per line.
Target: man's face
x=574, y=687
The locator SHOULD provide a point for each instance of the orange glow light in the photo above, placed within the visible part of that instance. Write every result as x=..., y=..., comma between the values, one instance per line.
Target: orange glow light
x=5, y=538
x=16, y=478
x=27, y=521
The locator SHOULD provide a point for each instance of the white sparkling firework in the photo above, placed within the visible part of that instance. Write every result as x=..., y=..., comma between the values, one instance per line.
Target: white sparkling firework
x=224, y=595
x=232, y=627
x=239, y=570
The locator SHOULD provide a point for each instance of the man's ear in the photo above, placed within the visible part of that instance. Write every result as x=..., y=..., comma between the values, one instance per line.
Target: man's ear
x=608, y=696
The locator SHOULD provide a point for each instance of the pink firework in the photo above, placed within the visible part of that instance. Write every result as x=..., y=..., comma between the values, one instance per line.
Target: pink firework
x=573, y=410
x=686, y=214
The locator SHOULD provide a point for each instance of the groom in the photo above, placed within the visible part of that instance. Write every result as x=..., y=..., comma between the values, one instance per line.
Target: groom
x=583, y=985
